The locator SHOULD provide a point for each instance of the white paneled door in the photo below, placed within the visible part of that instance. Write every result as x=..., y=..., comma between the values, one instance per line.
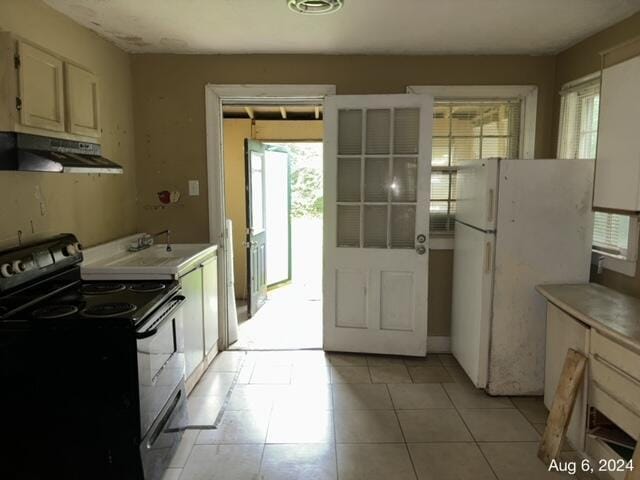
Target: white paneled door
x=377, y=158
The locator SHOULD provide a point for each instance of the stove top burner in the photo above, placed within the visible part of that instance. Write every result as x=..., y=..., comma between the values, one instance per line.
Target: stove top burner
x=109, y=309
x=55, y=311
x=147, y=287
x=101, y=288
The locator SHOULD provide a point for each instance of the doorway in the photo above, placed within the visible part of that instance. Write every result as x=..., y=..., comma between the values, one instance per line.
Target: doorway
x=274, y=197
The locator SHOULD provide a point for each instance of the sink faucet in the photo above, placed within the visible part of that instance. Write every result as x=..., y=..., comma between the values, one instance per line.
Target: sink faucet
x=168, y=234
x=146, y=240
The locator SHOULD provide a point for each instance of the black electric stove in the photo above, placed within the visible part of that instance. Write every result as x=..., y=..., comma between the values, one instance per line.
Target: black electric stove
x=92, y=372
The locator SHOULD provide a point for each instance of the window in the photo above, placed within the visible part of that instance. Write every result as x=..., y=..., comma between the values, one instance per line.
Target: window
x=579, y=120
x=467, y=130
x=613, y=234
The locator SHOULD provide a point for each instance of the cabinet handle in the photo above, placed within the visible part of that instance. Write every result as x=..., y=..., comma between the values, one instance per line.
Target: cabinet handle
x=487, y=257
x=490, y=209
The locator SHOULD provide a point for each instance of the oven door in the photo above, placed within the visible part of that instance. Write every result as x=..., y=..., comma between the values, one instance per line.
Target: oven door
x=162, y=440
x=160, y=348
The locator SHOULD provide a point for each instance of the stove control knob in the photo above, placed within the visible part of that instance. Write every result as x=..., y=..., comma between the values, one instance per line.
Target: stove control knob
x=5, y=270
x=70, y=249
x=18, y=266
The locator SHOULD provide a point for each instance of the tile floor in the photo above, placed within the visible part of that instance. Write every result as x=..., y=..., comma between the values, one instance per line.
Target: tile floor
x=309, y=415
x=281, y=313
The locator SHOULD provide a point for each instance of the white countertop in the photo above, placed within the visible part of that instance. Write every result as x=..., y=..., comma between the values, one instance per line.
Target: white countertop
x=114, y=262
x=612, y=313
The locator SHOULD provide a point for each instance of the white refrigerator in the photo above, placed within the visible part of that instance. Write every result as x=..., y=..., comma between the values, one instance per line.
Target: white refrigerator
x=519, y=223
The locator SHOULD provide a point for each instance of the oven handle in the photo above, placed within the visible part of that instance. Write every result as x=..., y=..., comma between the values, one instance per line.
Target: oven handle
x=178, y=300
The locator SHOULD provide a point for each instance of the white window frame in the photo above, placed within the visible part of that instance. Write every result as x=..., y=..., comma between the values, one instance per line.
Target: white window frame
x=529, y=109
x=626, y=264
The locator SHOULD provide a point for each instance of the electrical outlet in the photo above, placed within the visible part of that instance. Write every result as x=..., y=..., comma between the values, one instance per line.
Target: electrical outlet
x=194, y=188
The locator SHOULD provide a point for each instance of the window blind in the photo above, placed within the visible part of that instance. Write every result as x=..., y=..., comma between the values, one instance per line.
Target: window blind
x=579, y=109
x=611, y=233
x=467, y=130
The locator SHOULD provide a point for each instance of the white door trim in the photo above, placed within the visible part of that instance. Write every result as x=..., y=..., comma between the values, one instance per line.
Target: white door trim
x=528, y=94
x=215, y=96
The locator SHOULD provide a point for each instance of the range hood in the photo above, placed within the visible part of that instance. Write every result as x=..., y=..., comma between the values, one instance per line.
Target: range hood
x=34, y=153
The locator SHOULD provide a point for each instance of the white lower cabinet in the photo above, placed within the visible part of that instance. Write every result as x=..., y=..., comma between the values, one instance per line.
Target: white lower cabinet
x=193, y=320
x=565, y=332
x=200, y=287
x=210, y=303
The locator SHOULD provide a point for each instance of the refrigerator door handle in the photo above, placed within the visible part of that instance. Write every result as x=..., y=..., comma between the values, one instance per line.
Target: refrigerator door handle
x=487, y=257
x=490, y=209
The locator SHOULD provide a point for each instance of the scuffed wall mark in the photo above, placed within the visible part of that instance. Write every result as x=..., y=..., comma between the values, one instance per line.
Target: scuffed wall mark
x=173, y=42
x=133, y=40
x=41, y=200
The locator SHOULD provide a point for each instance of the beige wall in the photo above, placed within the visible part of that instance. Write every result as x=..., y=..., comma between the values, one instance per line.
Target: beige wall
x=96, y=207
x=170, y=113
x=578, y=61
x=169, y=105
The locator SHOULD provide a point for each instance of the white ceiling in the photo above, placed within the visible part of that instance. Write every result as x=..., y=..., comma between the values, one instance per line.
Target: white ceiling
x=362, y=26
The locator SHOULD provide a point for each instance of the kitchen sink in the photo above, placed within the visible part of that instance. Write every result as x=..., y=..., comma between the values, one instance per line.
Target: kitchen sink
x=152, y=262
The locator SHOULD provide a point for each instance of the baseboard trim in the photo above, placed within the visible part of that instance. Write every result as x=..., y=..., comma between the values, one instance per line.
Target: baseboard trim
x=438, y=344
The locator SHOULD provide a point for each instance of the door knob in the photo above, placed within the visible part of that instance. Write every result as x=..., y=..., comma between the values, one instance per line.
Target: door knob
x=421, y=238
x=421, y=249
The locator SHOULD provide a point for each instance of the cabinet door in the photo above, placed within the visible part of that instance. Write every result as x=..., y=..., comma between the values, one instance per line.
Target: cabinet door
x=192, y=320
x=81, y=92
x=565, y=332
x=210, y=303
x=618, y=158
x=41, y=88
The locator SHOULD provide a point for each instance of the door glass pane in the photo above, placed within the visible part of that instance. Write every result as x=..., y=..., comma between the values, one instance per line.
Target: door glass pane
x=257, y=208
x=348, y=225
x=405, y=180
x=376, y=179
x=378, y=131
x=406, y=132
x=349, y=132
x=375, y=226
x=403, y=226
x=348, y=179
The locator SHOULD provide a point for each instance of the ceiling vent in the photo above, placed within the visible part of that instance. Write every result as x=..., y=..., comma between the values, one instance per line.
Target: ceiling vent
x=315, y=7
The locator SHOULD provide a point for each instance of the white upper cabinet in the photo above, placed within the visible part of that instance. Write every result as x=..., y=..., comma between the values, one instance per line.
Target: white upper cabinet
x=81, y=92
x=41, y=92
x=617, y=178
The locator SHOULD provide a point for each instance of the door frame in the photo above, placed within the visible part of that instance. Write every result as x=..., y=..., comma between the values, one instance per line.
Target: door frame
x=215, y=96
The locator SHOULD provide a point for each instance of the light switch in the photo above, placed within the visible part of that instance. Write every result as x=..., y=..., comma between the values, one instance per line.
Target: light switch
x=194, y=188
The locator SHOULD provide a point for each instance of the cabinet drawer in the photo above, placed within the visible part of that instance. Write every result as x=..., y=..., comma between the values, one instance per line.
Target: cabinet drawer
x=617, y=383
x=619, y=414
x=621, y=357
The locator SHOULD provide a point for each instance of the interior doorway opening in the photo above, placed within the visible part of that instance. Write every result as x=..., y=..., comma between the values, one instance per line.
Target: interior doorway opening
x=274, y=198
